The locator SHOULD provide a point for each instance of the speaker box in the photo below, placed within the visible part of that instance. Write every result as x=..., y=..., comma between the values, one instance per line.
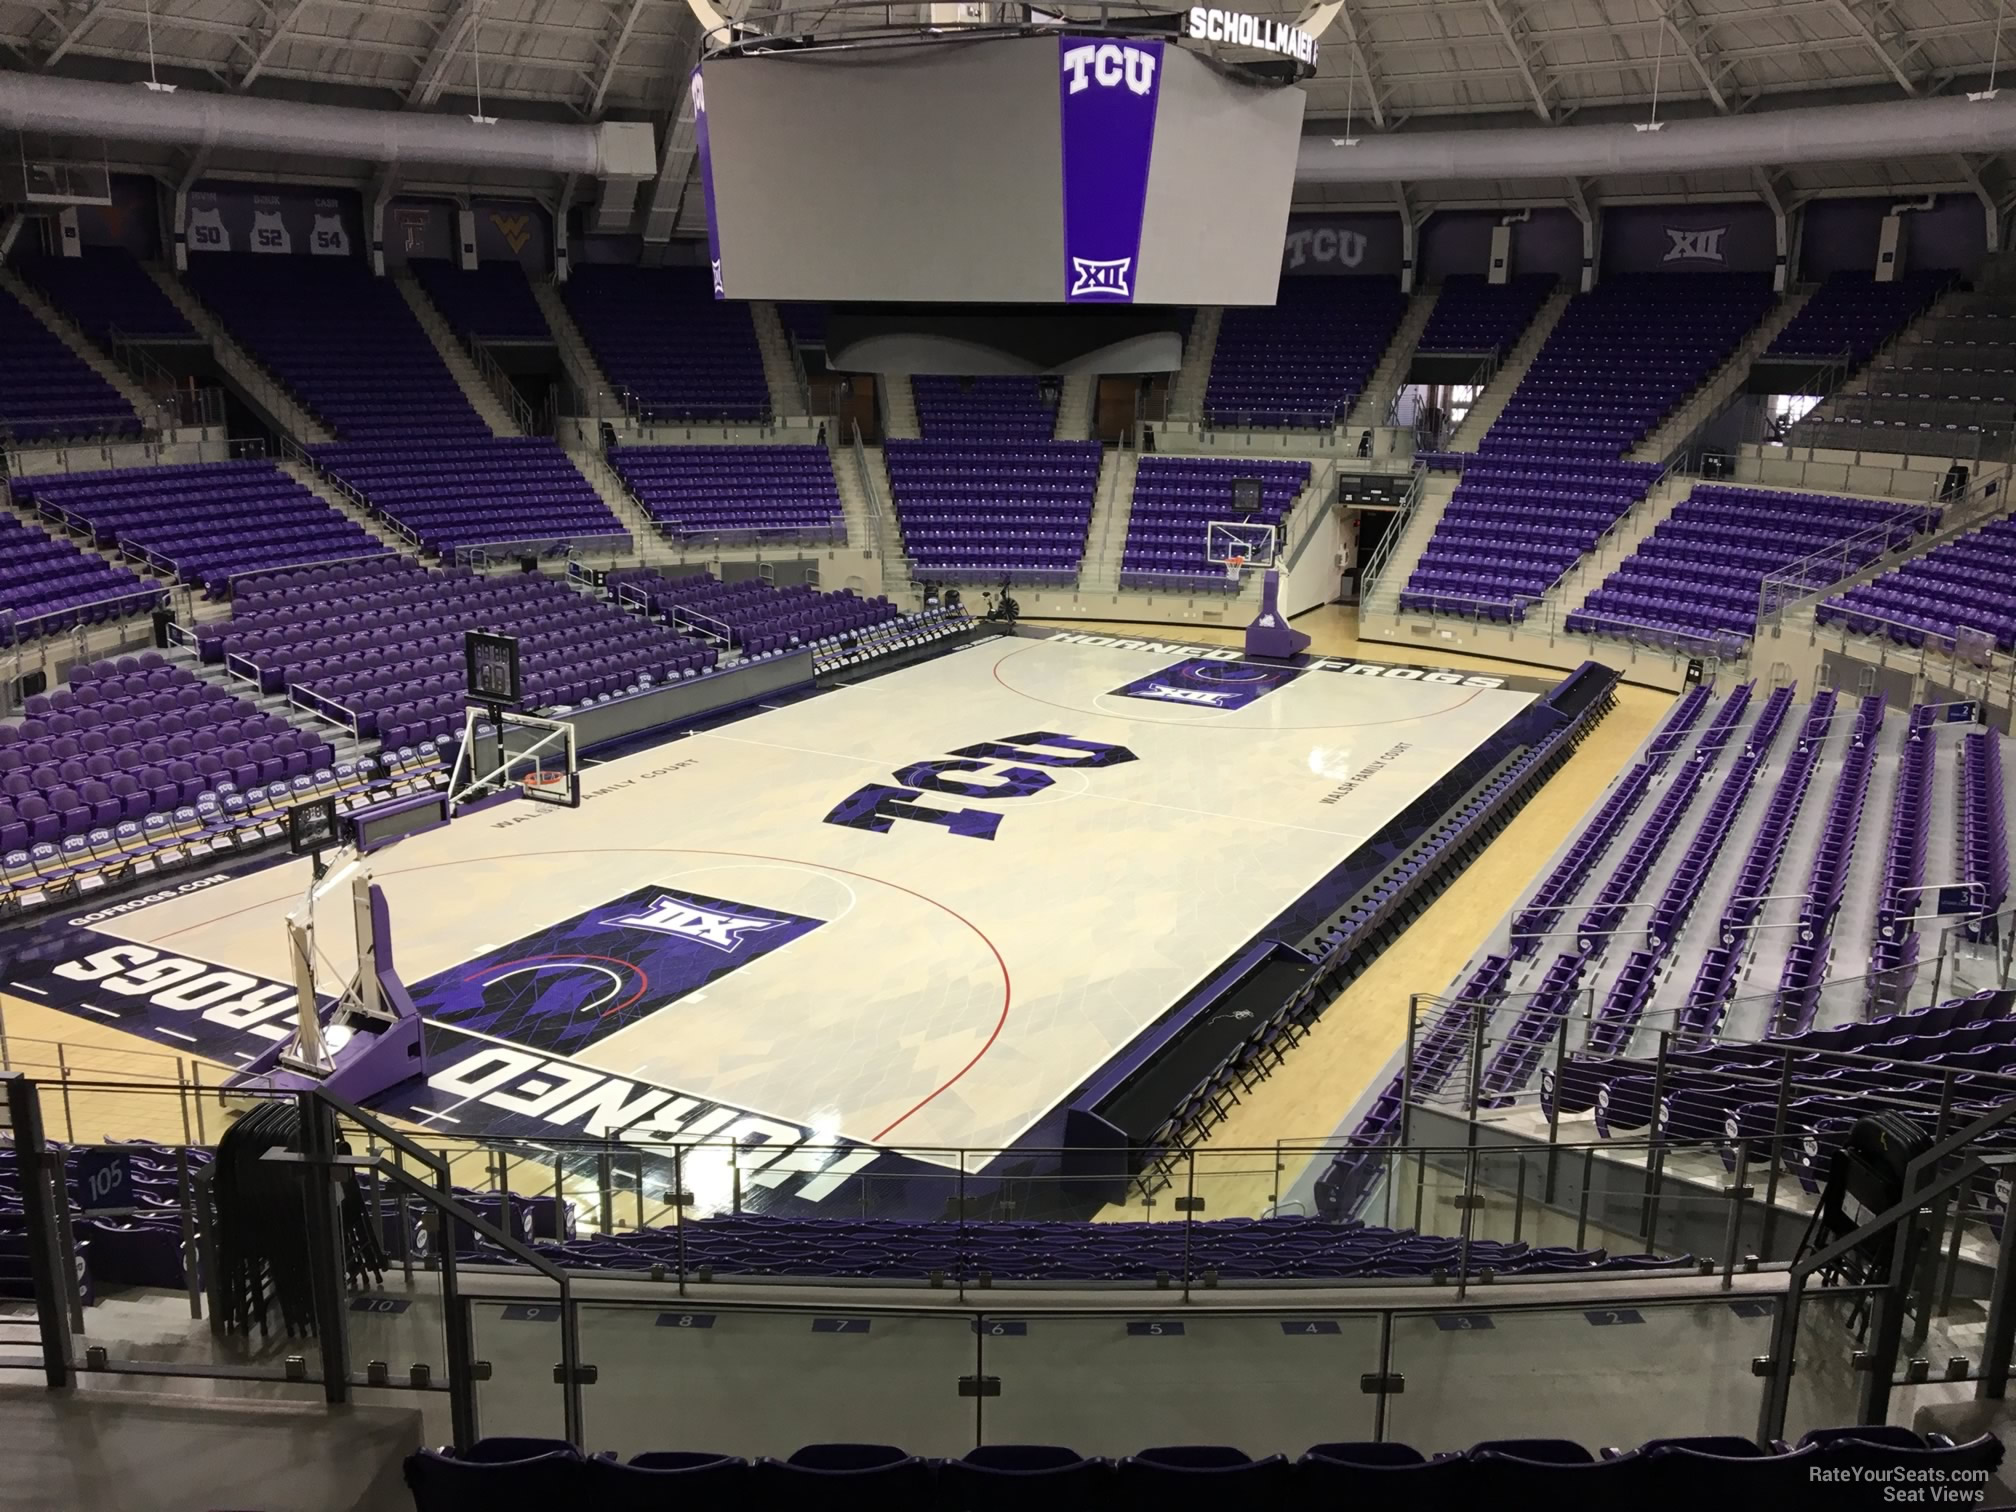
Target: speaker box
x=34, y=682
x=528, y=564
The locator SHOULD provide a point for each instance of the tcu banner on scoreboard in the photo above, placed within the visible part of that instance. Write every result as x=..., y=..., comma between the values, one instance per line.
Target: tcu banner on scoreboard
x=1109, y=90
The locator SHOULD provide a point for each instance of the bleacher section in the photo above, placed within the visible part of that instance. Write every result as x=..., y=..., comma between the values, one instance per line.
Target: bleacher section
x=759, y=493
x=47, y=392
x=451, y=496
x=492, y=301
x=1682, y=884
x=343, y=343
x=47, y=585
x=661, y=337
x=1851, y=316
x=108, y=294
x=1696, y=579
x=200, y=524
x=376, y=647
x=136, y=756
x=987, y=510
x=1472, y=314
x=982, y=409
x=757, y=618
x=1853, y=1466
x=1514, y=527
x=1300, y=363
x=1969, y=582
x=986, y=493
x=1716, y=1093
x=1947, y=383
x=1176, y=497
x=1622, y=358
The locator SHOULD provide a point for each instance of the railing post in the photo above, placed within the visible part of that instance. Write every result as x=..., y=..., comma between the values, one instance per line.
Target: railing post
x=321, y=1193
x=46, y=1259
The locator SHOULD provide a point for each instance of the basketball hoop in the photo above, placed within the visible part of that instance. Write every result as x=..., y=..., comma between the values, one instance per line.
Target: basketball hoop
x=1234, y=565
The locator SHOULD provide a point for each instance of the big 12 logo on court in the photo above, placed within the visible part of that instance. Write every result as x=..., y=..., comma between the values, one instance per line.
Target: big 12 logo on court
x=993, y=770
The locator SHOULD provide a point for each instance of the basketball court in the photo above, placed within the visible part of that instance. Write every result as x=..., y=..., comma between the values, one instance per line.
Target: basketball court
x=914, y=913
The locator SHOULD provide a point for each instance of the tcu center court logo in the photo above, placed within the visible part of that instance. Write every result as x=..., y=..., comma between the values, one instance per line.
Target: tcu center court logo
x=1110, y=65
x=1093, y=279
x=718, y=931
x=1695, y=246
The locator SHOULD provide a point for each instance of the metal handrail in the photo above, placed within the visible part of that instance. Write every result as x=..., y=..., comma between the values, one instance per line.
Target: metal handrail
x=1374, y=571
x=491, y=371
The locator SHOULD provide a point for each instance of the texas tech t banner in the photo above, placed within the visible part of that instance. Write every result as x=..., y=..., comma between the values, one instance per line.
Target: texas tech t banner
x=1109, y=90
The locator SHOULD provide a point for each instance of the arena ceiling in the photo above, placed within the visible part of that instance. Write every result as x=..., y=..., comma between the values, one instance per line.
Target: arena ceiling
x=1386, y=64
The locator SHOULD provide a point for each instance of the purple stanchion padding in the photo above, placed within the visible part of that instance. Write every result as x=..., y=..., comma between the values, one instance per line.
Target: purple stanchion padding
x=373, y=1060
x=1270, y=634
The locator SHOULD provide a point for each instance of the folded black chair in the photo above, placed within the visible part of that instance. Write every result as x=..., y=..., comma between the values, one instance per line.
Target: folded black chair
x=1013, y=1477
x=474, y=1482
x=1684, y=1477
x=845, y=1478
x=652, y=1482
x=1180, y=1477
x=1386, y=1474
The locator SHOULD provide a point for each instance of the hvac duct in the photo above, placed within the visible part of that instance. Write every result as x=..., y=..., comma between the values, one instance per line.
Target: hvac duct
x=1775, y=139
x=128, y=113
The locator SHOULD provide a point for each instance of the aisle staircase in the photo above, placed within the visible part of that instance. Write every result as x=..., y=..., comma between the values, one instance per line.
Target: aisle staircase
x=1375, y=401
x=1721, y=386
x=899, y=408
x=1384, y=597
x=73, y=337
x=780, y=365
x=1498, y=392
x=253, y=383
x=597, y=397
x=461, y=367
x=1186, y=393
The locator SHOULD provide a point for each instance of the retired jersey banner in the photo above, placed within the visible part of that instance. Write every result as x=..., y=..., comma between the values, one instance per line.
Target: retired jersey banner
x=1108, y=92
x=699, y=91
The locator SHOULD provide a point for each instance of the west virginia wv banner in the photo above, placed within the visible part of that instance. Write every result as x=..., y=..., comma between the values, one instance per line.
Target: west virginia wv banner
x=1108, y=92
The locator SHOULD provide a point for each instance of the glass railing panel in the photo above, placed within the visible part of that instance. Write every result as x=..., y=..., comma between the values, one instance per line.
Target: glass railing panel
x=1611, y=1376
x=688, y=1374
x=1272, y=1383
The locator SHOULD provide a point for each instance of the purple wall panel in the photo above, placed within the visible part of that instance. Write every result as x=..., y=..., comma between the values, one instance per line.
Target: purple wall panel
x=1456, y=241
x=1732, y=238
x=1341, y=245
x=1841, y=235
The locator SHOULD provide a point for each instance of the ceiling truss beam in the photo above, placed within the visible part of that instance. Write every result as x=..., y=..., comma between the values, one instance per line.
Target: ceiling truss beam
x=1869, y=30
x=433, y=77
x=279, y=23
x=1518, y=39
x=615, y=40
